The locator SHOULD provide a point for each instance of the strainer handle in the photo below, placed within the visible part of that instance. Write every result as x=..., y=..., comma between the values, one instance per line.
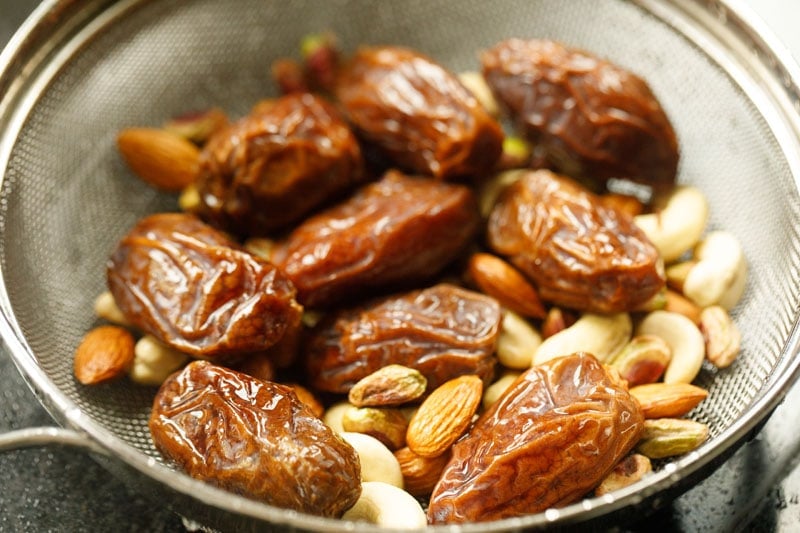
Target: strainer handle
x=43, y=436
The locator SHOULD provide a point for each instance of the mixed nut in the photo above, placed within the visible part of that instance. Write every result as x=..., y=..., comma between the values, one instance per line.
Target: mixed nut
x=376, y=305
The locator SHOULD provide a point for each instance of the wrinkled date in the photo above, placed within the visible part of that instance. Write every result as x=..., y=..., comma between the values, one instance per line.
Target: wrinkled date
x=581, y=254
x=591, y=118
x=276, y=165
x=552, y=436
x=399, y=230
x=185, y=283
x=254, y=438
x=443, y=331
x=418, y=113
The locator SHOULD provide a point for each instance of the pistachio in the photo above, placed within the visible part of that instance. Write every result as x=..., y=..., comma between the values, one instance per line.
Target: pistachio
x=600, y=335
x=390, y=385
x=684, y=339
x=516, y=154
x=719, y=276
x=667, y=400
x=627, y=472
x=517, y=342
x=642, y=360
x=722, y=337
x=668, y=437
x=385, y=424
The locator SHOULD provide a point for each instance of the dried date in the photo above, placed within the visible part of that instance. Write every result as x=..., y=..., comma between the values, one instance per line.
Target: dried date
x=548, y=441
x=418, y=113
x=590, y=118
x=442, y=331
x=397, y=231
x=580, y=254
x=254, y=438
x=275, y=166
x=188, y=285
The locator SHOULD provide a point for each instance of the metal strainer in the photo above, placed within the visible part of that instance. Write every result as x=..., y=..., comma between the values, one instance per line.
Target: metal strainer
x=81, y=70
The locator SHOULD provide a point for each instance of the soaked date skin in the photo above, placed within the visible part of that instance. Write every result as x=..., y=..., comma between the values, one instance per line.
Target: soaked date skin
x=273, y=167
x=188, y=285
x=397, y=231
x=550, y=439
x=590, y=118
x=418, y=113
x=579, y=253
x=442, y=331
x=254, y=438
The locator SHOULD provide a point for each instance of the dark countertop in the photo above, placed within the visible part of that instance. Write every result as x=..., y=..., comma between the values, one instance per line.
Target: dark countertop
x=61, y=489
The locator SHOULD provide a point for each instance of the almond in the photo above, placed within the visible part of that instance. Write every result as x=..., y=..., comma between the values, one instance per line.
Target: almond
x=667, y=400
x=678, y=303
x=308, y=398
x=444, y=416
x=163, y=159
x=420, y=474
x=104, y=354
x=502, y=281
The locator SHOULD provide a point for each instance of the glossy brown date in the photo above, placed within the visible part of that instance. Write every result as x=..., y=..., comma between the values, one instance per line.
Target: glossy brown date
x=398, y=231
x=579, y=253
x=418, y=113
x=590, y=118
x=550, y=439
x=188, y=285
x=442, y=331
x=254, y=438
x=275, y=166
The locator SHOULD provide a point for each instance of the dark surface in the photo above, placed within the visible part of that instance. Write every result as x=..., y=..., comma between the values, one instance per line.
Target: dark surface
x=57, y=489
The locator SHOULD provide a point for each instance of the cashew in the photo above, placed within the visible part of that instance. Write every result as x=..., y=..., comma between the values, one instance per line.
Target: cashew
x=153, y=361
x=335, y=414
x=494, y=187
x=600, y=335
x=683, y=337
x=378, y=463
x=386, y=505
x=720, y=273
x=679, y=225
x=493, y=392
x=106, y=308
x=517, y=341
x=476, y=84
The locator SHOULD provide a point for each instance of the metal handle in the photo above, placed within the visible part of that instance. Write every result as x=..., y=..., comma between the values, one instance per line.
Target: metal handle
x=44, y=436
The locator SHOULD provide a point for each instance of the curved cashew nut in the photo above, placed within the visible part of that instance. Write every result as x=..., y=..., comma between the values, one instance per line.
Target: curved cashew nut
x=154, y=361
x=517, y=341
x=378, y=463
x=720, y=273
x=105, y=307
x=600, y=335
x=386, y=505
x=334, y=415
x=679, y=225
x=685, y=340
x=494, y=391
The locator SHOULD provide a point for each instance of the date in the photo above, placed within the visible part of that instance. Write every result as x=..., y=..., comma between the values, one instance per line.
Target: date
x=189, y=286
x=418, y=113
x=254, y=438
x=442, y=331
x=581, y=254
x=550, y=439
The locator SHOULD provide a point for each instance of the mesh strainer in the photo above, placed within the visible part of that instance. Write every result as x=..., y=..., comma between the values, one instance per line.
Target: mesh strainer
x=81, y=70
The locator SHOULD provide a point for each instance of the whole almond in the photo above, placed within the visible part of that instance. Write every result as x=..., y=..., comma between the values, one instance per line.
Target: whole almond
x=390, y=385
x=444, y=416
x=162, y=158
x=667, y=400
x=420, y=474
x=500, y=280
x=104, y=354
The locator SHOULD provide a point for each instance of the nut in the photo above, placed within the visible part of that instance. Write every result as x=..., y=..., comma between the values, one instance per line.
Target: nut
x=494, y=187
x=420, y=474
x=260, y=247
x=106, y=308
x=198, y=126
x=385, y=505
x=385, y=424
x=189, y=199
x=500, y=280
x=668, y=437
x=630, y=205
x=556, y=320
x=104, y=354
x=668, y=400
x=516, y=153
x=678, y=225
x=163, y=159
x=720, y=273
x=494, y=391
x=517, y=342
x=334, y=414
x=600, y=335
x=677, y=303
x=390, y=385
x=642, y=360
x=308, y=398
x=722, y=337
x=378, y=463
x=476, y=84
x=444, y=416
x=684, y=339
x=153, y=361
x=676, y=274
x=627, y=472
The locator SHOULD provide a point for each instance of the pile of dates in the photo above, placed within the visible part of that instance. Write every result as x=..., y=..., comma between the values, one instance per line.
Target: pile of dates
x=402, y=295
